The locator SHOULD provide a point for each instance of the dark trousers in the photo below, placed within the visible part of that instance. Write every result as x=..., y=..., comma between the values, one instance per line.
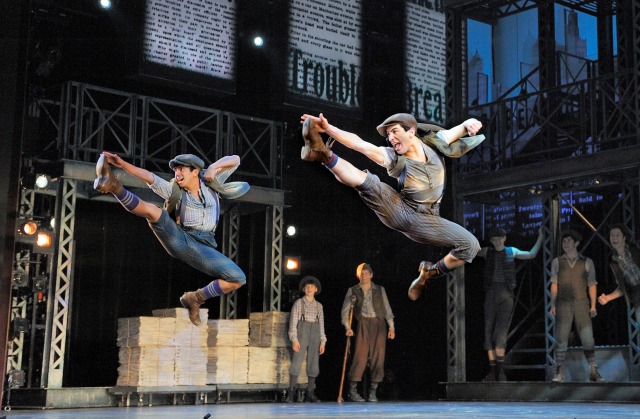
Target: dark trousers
x=498, y=305
x=371, y=340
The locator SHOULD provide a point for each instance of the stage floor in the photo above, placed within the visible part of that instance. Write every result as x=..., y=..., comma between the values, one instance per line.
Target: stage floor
x=386, y=410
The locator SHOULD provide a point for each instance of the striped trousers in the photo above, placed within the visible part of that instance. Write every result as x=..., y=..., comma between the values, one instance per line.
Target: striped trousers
x=418, y=222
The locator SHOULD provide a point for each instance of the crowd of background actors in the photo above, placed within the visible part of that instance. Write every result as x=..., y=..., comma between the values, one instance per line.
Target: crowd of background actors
x=573, y=302
x=573, y=294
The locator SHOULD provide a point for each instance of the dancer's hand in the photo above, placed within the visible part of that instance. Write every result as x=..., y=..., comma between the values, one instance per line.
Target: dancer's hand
x=211, y=173
x=322, y=345
x=472, y=126
x=603, y=299
x=113, y=159
x=296, y=346
x=391, y=334
x=350, y=332
x=320, y=122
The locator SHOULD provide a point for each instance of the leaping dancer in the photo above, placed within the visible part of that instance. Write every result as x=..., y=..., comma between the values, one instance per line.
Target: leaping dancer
x=416, y=159
x=197, y=207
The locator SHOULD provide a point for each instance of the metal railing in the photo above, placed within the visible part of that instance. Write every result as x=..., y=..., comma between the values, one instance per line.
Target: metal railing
x=581, y=118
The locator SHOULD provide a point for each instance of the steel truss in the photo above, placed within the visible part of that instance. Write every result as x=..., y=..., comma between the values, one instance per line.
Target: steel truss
x=274, y=235
x=15, y=351
x=61, y=289
x=231, y=242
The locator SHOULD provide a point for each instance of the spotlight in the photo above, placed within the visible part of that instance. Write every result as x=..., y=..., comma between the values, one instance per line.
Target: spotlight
x=105, y=4
x=292, y=265
x=44, y=242
x=258, y=41
x=28, y=228
x=42, y=181
x=291, y=231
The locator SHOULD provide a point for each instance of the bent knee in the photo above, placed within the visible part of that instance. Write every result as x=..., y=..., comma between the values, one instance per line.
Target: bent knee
x=239, y=278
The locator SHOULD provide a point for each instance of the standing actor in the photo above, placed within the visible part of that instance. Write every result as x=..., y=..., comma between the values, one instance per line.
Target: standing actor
x=196, y=203
x=625, y=264
x=416, y=159
x=371, y=310
x=571, y=275
x=499, y=283
x=306, y=332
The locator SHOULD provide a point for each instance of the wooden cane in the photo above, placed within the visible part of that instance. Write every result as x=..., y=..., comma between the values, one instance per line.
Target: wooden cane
x=346, y=350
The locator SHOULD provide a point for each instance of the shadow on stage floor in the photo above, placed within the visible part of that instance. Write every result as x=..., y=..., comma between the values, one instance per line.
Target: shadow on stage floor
x=436, y=409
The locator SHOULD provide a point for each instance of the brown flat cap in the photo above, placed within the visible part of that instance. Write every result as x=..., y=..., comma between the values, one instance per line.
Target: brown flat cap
x=405, y=119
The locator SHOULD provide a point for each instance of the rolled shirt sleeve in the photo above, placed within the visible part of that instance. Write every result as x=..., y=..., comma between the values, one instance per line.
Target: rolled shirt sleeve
x=161, y=187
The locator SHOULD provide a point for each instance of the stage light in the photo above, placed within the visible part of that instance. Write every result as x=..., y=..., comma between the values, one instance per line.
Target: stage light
x=44, y=242
x=19, y=278
x=28, y=228
x=40, y=284
x=52, y=223
x=105, y=4
x=292, y=265
x=258, y=41
x=15, y=378
x=42, y=181
x=20, y=324
x=291, y=231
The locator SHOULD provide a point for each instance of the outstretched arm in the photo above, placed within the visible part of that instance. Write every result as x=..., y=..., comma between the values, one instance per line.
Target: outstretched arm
x=348, y=139
x=605, y=298
x=468, y=127
x=520, y=254
x=116, y=161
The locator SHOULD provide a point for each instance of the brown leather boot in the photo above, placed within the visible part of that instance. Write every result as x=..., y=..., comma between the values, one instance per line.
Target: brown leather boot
x=192, y=301
x=427, y=271
x=106, y=182
x=314, y=148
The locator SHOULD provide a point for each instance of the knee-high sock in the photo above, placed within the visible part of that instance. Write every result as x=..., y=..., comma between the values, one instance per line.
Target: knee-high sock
x=211, y=290
x=333, y=160
x=128, y=200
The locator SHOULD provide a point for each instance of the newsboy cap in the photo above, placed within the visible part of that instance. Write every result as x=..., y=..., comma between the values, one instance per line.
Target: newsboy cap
x=186, y=160
x=310, y=280
x=405, y=119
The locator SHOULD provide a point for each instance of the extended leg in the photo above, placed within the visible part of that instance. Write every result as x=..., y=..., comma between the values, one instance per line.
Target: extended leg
x=107, y=182
x=316, y=150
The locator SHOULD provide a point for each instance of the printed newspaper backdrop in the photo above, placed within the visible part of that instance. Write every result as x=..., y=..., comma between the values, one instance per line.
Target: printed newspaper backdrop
x=196, y=35
x=425, y=74
x=325, y=52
